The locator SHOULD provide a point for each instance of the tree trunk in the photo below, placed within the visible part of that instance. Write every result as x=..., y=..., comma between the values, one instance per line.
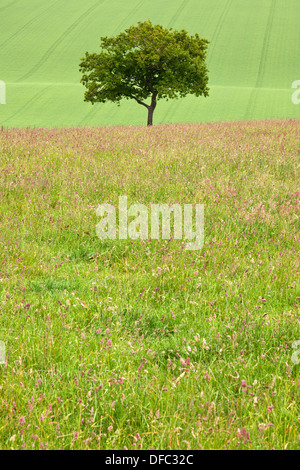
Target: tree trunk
x=150, y=116
x=151, y=109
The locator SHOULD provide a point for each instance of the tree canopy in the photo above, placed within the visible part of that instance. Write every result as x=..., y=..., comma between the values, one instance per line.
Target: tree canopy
x=146, y=61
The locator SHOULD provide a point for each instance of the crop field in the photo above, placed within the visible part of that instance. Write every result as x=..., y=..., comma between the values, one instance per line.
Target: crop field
x=142, y=344
x=253, y=59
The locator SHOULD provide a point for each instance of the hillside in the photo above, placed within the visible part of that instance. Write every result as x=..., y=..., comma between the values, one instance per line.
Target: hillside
x=253, y=59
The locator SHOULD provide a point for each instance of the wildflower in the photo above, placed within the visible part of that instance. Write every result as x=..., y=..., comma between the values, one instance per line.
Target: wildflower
x=207, y=377
x=244, y=386
x=242, y=433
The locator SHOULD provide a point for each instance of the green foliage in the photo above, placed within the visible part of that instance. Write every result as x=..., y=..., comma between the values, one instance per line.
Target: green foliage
x=146, y=61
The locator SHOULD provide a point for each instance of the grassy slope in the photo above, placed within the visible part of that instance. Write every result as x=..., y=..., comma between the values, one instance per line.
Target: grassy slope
x=140, y=344
x=253, y=59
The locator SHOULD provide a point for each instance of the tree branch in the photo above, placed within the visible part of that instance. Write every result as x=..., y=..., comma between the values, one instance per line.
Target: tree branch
x=139, y=101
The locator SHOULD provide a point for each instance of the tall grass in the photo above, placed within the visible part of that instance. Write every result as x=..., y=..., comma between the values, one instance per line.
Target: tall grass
x=116, y=344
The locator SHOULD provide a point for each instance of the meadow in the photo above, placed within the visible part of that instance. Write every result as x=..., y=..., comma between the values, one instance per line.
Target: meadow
x=253, y=59
x=141, y=344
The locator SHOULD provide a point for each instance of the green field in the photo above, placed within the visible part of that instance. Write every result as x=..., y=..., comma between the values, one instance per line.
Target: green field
x=253, y=59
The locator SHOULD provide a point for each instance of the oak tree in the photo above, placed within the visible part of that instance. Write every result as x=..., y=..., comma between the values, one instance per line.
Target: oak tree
x=146, y=61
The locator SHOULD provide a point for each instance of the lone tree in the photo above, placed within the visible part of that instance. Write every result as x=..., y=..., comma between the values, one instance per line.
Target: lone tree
x=146, y=61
